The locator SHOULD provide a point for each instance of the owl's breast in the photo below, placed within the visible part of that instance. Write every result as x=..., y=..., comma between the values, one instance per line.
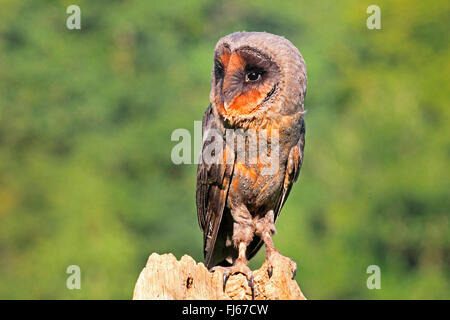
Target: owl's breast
x=257, y=186
x=258, y=177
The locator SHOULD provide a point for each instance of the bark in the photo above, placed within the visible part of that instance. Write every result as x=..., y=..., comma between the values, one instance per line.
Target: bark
x=164, y=277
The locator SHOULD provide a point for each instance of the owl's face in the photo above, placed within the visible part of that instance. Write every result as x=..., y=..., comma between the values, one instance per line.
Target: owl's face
x=244, y=79
x=255, y=72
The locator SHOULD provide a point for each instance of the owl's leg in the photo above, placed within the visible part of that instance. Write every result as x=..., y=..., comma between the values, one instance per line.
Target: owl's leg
x=265, y=228
x=243, y=231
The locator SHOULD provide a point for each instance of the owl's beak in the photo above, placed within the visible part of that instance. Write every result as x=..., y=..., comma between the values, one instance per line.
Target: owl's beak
x=227, y=102
x=227, y=97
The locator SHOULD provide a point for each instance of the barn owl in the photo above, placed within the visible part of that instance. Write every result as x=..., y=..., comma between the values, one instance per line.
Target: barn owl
x=258, y=85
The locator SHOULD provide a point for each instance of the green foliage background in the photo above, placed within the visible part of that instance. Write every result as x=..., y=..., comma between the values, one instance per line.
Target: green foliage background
x=86, y=117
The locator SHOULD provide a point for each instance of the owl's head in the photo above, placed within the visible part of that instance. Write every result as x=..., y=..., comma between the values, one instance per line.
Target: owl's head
x=255, y=75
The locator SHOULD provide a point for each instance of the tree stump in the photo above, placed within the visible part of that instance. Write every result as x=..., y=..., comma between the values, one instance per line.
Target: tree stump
x=165, y=278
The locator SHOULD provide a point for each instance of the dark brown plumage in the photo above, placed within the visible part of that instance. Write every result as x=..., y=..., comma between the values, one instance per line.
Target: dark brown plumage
x=258, y=83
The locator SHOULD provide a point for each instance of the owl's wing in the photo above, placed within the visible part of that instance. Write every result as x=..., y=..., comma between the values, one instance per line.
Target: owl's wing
x=293, y=166
x=213, y=181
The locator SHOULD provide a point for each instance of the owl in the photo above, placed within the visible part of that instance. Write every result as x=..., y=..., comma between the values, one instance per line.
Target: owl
x=258, y=85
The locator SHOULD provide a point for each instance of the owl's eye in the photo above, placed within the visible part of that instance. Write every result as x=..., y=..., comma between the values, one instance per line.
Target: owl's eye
x=252, y=76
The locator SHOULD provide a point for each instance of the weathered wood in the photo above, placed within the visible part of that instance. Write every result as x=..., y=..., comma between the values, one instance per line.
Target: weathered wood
x=166, y=278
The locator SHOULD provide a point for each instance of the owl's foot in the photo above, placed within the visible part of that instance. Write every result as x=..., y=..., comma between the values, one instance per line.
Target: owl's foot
x=239, y=267
x=275, y=258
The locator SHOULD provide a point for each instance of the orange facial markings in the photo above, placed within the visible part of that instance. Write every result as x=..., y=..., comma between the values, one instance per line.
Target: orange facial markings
x=247, y=103
x=225, y=58
x=235, y=63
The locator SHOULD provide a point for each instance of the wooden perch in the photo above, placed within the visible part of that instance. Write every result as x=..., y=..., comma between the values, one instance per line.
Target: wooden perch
x=165, y=278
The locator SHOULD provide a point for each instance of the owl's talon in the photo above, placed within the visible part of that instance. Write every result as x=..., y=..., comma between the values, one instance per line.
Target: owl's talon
x=251, y=284
x=229, y=271
x=272, y=258
x=226, y=276
x=270, y=271
x=295, y=272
